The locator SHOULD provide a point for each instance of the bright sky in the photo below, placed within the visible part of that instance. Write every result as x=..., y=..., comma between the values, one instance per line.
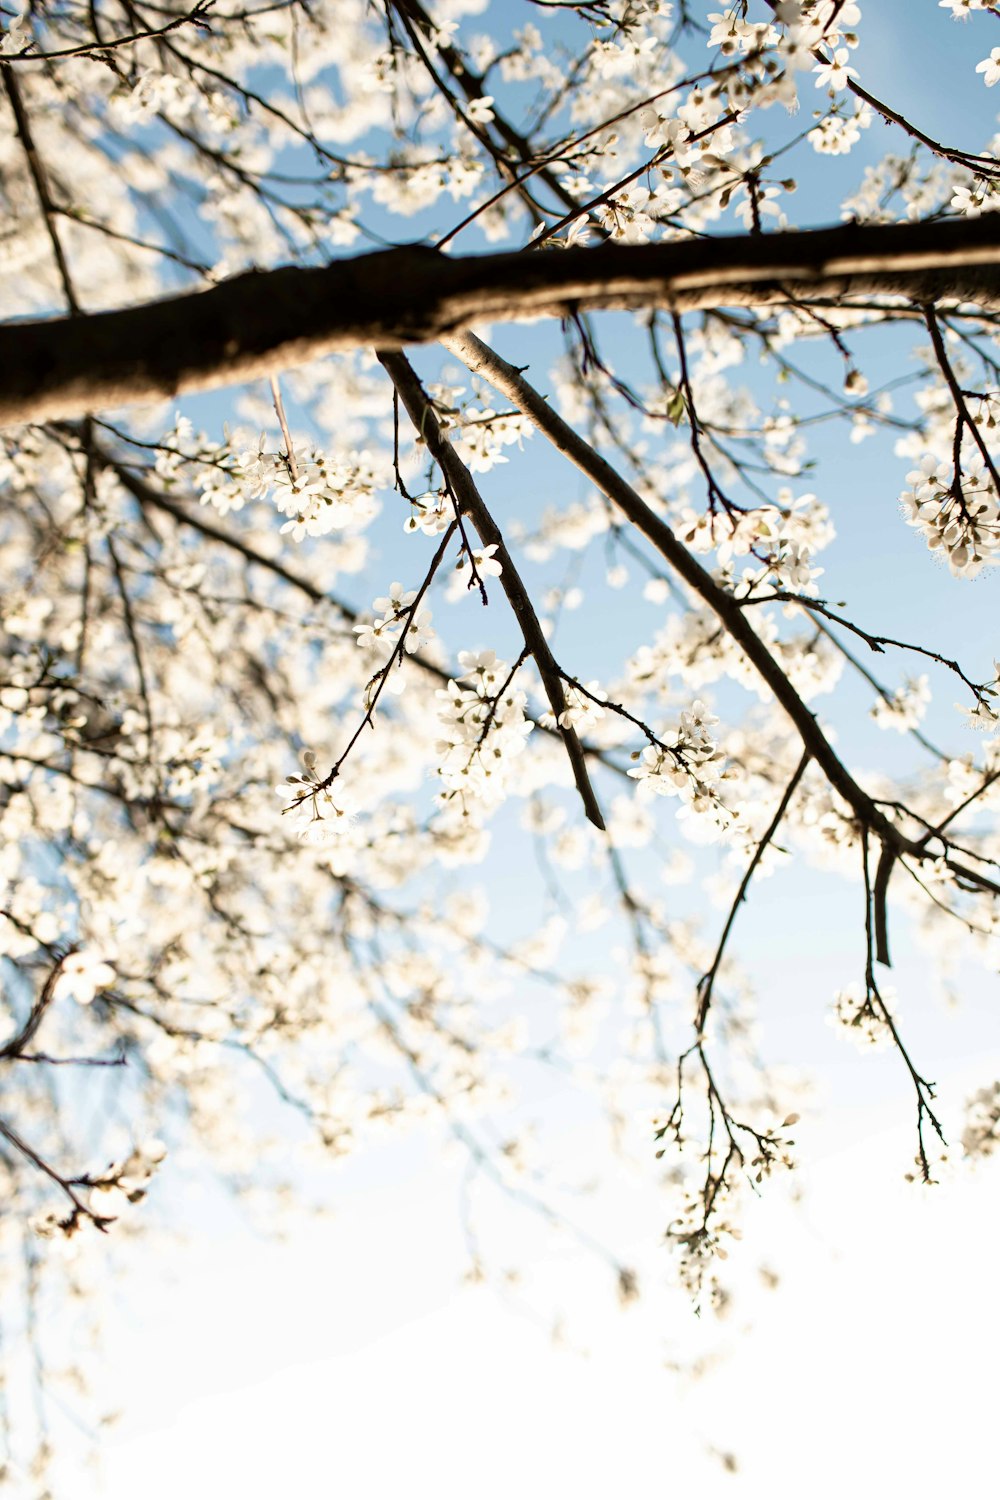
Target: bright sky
x=348, y=1363
x=349, y=1360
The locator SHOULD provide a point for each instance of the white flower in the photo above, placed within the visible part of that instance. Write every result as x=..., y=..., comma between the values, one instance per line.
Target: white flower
x=397, y=602
x=370, y=634
x=990, y=68
x=658, y=773
x=15, y=39
x=864, y=1017
x=835, y=72
x=290, y=493
x=581, y=712
x=256, y=468
x=486, y=564
x=905, y=708
x=418, y=632
x=83, y=976
x=980, y=717
x=969, y=200
x=432, y=514
x=697, y=720
x=483, y=732
x=312, y=811
x=483, y=669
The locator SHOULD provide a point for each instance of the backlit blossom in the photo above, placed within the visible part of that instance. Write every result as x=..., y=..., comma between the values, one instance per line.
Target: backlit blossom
x=82, y=976
x=990, y=68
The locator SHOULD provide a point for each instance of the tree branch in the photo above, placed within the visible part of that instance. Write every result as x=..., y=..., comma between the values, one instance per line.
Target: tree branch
x=421, y=414
x=482, y=360
x=262, y=322
x=503, y=377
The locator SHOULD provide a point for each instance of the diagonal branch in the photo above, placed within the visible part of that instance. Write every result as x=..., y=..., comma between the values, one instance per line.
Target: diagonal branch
x=421, y=414
x=728, y=610
x=504, y=377
x=40, y=180
x=14, y=1046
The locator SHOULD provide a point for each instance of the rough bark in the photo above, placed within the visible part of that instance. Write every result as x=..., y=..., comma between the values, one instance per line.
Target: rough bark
x=266, y=321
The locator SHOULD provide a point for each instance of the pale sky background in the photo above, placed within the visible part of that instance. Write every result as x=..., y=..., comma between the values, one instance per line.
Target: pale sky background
x=350, y=1361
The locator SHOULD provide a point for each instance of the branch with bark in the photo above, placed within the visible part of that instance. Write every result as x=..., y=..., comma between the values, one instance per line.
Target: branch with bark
x=261, y=322
x=470, y=502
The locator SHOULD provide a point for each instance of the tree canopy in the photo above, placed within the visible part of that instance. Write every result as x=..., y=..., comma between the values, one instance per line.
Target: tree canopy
x=504, y=301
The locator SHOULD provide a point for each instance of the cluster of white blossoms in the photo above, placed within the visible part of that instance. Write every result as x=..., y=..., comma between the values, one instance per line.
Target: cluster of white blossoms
x=980, y=717
x=964, y=777
x=981, y=1135
x=962, y=9
x=807, y=24
x=477, y=431
x=783, y=536
x=691, y=648
x=397, y=619
x=315, y=815
x=974, y=196
x=905, y=708
x=426, y=180
x=689, y=768
x=582, y=711
x=158, y=93
x=111, y=1194
x=484, y=729
x=734, y=35
x=837, y=134
x=317, y=492
x=430, y=513
x=960, y=522
x=775, y=53
x=325, y=493
x=631, y=216
x=481, y=563
x=984, y=715
x=82, y=975
x=706, y=162
x=483, y=435
x=822, y=22
x=669, y=133
x=700, y=1233
x=862, y=1017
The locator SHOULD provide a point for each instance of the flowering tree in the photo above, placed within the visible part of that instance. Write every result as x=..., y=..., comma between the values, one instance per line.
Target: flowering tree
x=192, y=197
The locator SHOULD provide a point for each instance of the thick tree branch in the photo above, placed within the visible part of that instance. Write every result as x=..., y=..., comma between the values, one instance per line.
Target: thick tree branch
x=265, y=321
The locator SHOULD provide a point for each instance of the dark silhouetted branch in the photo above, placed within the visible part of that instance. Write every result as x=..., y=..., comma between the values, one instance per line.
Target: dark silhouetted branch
x=264, y=321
